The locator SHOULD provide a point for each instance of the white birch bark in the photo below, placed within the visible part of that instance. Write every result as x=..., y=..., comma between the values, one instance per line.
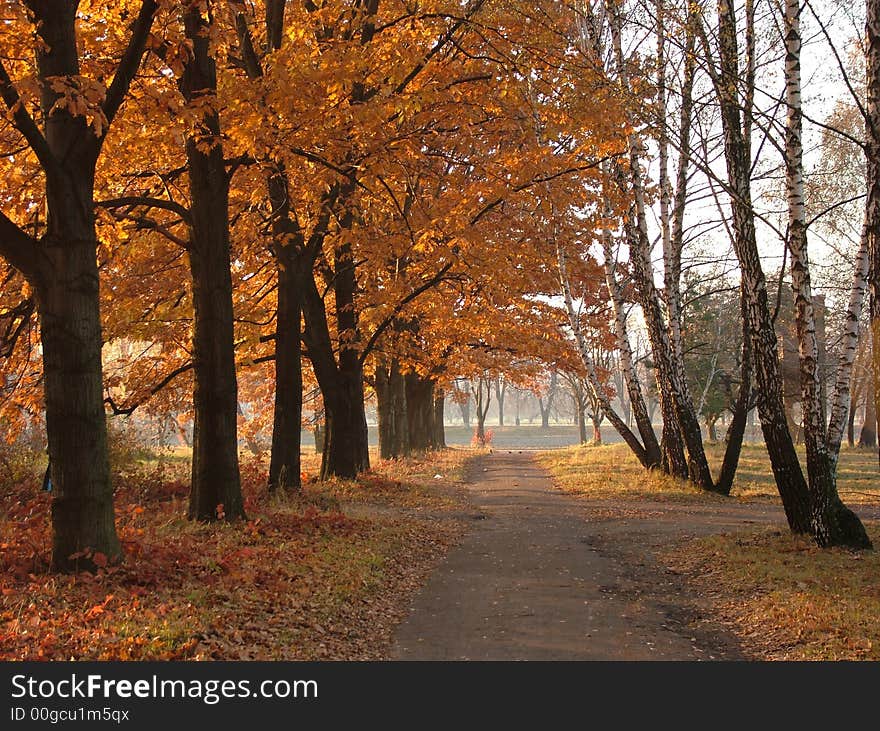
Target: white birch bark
x=872, y=154
x=805, y=320
x=671, y=378
x=832, y=523
x=593, y=380
x=848, y=349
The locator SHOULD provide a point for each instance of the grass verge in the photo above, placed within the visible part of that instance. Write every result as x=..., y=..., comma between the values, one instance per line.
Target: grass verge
x=784, y=598
x=612, y=472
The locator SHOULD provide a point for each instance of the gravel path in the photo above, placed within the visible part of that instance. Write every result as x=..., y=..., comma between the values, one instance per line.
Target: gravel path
x=535, y=580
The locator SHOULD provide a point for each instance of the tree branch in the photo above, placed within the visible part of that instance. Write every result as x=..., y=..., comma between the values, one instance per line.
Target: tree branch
x=134, y=201
x=538, y=181
x=472, y=10
x=128, y=410
x=131, y=59
x=19, y=249
x=251, y=60
x=386, y=323
x=24, y=122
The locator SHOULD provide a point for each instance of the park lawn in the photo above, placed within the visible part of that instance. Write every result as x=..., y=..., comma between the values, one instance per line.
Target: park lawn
x=612, y=472
x=303, y=578
x=784, y=598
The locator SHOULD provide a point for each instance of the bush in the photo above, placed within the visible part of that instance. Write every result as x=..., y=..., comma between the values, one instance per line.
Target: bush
x=23, y=460
x=126, y=445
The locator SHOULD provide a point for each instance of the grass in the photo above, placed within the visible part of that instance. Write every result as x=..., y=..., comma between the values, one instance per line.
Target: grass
x=612, y=472
x=305, y=578
x=857, y=474
x=784, y=598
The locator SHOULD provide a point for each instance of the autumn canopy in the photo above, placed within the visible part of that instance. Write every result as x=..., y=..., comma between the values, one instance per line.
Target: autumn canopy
x=211, y=206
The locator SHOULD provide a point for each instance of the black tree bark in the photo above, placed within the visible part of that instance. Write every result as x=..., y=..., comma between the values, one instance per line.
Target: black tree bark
x=216, y=486
x=285, y=462
x=63, y=271
x=392, y=411
x=420, y=412
x=868, y=433
x=439, y=409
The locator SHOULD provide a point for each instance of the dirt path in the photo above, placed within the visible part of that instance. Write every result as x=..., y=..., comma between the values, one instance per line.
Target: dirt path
x=534, y=580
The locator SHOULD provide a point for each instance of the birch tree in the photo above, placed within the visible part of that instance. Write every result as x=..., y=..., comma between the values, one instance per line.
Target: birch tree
x=872, y=155
x=811, y=508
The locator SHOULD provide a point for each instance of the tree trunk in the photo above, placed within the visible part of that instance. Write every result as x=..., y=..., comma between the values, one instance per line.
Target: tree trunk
x=545, y=414
x=420, y=412
x=711, y=431
x=548, y=407
x=638, y=408
x=848, y=350
x=216, y=488
x=787, y=471
x=833, y=524
x=676, y=401
x=868, y=434
x=632, y=441
x=284, y=463
x=62, y=270
x=439, y=428
x=464, y=406
x=319, y=433
x=351, y=416
x=346, y=447
x=288, y=249
x=482, y=398
x=394, y=441
x=872, y=204
x=762, y=336
x=70, y=328
x=500, y=393
x=851, y=428
x=674, y=461
x=581, y=423
x=597, y=429
x=737, y=429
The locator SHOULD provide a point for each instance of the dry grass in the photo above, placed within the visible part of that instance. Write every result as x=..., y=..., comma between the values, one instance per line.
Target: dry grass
x=784, y=598
x=612, y=472
x=425, y=482
x=857, y=474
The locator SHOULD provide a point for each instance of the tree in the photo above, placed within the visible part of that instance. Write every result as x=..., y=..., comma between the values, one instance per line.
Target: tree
x=546, y=397
x=59, y=261
x=810, y=509
x=481, y=390
x=872, y=158
x=500, y=392
x=216, y=488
